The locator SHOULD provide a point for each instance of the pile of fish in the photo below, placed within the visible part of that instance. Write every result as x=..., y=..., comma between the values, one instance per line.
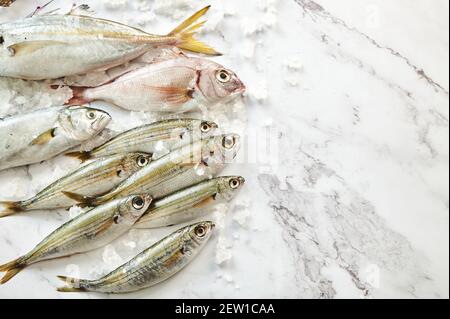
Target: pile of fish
x=126, y=182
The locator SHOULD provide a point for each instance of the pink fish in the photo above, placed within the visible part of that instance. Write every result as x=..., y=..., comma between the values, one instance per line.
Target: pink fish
x=174, y=85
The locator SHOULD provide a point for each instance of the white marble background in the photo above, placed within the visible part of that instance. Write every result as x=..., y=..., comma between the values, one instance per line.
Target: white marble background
x=347, y=160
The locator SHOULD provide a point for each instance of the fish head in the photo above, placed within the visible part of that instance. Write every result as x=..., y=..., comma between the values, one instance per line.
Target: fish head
x=200, y=232
x=84, y=122
x=133, y=162
x=229, y=186
x=221, y=149
x=218, y=84
x=133, y=207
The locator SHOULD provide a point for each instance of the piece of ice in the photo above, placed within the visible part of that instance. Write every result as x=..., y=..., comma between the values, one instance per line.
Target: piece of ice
x=115, y=4
x=223, y=250
x=74, y=211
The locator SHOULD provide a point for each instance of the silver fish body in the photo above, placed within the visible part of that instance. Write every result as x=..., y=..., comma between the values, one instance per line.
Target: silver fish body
x=152, y=266
x=156, y=138
x=190, y=203
x=43, y=134
x=87, y=231
x=175, y=85
x=184, y=166
x=54, y=46
x=95, y=178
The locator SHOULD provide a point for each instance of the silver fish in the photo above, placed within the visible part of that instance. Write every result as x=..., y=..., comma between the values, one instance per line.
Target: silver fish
x=95, y=178
x=191, y=202
x=152, y=266
x=184, y=166
x=43, y=134
x=54, y=46
x=175, y=85
x=153, y=138
x=88, y=231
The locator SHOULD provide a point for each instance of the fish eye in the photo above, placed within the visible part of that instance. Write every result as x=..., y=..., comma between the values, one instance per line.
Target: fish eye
x=228, y=142
x=142, y=161
x=200, y=231
x=223, y=76
x=138, y=202
x=234, y=183
x=205, y=127
x=91, y=115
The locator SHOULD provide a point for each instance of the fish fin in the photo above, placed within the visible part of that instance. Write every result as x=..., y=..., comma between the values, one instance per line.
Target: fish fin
x=12, y=268
x=185, y=35
x=10, y=208
x=174, y=95
x=45, y=137
x=82, y=156
x=78, y=97
x=28, y=47
x=72, y=284
x=83, y=201
x=205, y=202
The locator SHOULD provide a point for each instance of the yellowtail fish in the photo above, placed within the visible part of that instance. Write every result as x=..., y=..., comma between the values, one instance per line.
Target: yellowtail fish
x=190, y=203
x=184, y=166
x=43, y=134
x=95, y=178
x=54, y=46
x=176, y=85
x=154, y=138
x=152, y=266
x=90, y=230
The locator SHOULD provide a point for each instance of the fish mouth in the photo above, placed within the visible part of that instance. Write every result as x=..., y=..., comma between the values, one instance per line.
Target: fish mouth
x=241, y=180
x=241, y=89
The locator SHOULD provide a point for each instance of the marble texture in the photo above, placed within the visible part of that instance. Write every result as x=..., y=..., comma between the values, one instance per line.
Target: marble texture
x=346, y=155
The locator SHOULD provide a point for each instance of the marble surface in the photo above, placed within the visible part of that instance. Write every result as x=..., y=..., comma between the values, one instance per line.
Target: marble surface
x=346, y=155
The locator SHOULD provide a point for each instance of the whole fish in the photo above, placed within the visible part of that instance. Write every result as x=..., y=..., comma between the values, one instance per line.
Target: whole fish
x=175, y=85
x=54, y=46
x=184, y=166
x=87, y=231
x=153, y=138
x=43, y=134
x=191, y=202
x=152, y=266
x=92, y=179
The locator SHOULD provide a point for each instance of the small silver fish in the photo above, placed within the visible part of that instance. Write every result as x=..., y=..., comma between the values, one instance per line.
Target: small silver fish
x=152, y=266
x=184, y=166
x=54, y=46
x=153, y=138
x=191, y=202
x=87, y=231
x=95, y=178
x=175, y=85
x=43, y=134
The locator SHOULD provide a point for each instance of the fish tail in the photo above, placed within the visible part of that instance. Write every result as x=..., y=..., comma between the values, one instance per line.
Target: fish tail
x=82, y=156
x=72, y=284
x=83, y=201
x=12, y=268
x=185, y=35
x=78, y=96
x=10, y=208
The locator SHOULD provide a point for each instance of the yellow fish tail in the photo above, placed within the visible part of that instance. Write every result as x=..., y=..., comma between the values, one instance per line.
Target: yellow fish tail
x=185, y=35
